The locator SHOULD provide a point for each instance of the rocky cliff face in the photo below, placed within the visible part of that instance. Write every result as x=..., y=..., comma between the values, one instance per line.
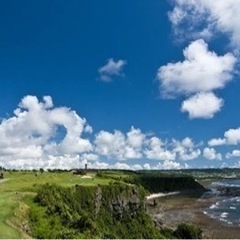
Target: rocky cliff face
x=119, y=200
x=111, y=211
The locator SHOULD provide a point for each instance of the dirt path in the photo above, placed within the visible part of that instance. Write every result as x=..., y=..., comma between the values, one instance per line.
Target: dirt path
x=3, y=180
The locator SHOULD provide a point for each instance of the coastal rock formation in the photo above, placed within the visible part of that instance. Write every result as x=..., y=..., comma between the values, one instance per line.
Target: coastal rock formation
x=227, y=191
x=111, y=211
x=126, y=200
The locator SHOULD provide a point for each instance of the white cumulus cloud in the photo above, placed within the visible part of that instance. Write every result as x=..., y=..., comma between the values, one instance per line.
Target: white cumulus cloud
x=201, y=71
x=40, y=135
x=216, y=142
x=234, y=153
x=156, y=150
x=168, y=165
x=194, y=18
x=119, y=145
x=198, y=75
x=29, y=137
x=211, y=154
x=111, y=69
x=202, y=105
x=231, y=137
x=185, y=149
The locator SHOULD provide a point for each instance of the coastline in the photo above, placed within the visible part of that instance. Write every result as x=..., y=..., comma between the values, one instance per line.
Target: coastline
x=158, y=195
x=171, y=210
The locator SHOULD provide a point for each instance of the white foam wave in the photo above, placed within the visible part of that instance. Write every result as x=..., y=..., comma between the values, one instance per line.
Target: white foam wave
x=224, y=215
x=213, y=206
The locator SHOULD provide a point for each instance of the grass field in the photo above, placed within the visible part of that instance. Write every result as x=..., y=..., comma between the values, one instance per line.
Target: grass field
x=17, y=184
x=7, y=206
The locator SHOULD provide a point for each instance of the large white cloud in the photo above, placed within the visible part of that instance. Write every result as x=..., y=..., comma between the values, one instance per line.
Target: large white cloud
x=201, y=71
x=40, y=135
x=202, y=105
x=197, y=76
x=29, y=137
x=204, y=18
x=111, y=69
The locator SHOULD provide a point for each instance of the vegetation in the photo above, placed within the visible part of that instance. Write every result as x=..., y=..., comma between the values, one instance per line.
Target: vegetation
x=91, y=212
x=7, y=204
x=158, y=182
x=187, y=231
x=18, y=184
x=61, y=204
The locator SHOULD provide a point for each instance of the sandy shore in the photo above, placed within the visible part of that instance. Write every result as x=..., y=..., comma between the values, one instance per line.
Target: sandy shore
x=175, y=209
x=157, y=195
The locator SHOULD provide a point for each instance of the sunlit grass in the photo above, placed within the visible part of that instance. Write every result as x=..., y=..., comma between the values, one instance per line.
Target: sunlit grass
x=18, y=183
x=7, y=206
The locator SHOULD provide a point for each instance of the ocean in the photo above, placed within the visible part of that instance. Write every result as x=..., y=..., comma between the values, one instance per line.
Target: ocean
x=227, y=207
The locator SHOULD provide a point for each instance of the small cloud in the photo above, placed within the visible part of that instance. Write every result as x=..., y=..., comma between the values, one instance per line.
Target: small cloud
x=202, y=105
x=146, y=166
x=156, y=150
x=119, y=145
x=112, y=69
x=234, y=153
x=231, y=137
x=216, y=142
x=211, y=154
x=186, y=149
x=119, y=165
x=168, y=164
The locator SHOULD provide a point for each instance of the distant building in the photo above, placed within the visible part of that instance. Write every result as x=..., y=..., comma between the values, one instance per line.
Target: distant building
x=85, y=166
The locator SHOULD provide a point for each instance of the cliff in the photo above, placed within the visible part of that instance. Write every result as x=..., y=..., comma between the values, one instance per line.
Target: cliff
x=155, y=183
x=111, y=211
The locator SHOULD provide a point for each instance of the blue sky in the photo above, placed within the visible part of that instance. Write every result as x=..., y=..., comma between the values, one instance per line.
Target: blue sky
x=129, y=84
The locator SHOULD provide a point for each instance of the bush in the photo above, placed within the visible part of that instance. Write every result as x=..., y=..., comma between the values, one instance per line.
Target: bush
x=187, y=231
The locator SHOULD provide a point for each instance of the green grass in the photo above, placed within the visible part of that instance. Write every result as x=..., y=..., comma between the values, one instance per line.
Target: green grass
x=17, y=184
x=7, y=206
x=118, y=173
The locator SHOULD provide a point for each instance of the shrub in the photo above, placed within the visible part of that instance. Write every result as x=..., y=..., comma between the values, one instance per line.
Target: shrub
x=187, y=231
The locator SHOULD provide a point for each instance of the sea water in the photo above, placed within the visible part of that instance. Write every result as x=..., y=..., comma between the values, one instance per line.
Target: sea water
x=227, y=208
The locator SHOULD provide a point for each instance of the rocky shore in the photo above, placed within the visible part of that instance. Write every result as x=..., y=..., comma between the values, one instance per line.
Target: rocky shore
x=169, y=211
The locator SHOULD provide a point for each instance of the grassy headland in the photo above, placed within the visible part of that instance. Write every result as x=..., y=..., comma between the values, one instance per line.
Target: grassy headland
x=22, y=194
